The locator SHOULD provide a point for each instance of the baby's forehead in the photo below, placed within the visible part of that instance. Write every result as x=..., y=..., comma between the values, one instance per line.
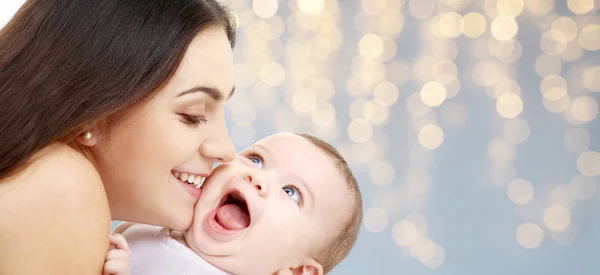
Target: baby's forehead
x=283, y=145
x=296, y=154
x=281, y=138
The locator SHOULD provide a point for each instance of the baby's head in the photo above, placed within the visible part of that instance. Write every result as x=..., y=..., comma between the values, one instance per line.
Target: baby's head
x=288, y=204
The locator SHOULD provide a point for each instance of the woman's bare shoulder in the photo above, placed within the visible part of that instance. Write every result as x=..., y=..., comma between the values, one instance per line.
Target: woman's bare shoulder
x=54, y=216
x=57, y=170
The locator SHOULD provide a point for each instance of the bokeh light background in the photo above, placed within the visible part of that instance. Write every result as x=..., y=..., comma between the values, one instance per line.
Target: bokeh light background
x=471, y=125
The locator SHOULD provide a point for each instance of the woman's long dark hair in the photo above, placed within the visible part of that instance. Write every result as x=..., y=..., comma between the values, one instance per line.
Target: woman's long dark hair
x=65, y=64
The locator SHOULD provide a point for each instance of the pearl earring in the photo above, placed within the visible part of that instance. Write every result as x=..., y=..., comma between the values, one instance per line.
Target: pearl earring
x=87, y=135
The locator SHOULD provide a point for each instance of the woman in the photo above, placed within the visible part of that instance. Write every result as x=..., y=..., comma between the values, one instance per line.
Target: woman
x=103, y=103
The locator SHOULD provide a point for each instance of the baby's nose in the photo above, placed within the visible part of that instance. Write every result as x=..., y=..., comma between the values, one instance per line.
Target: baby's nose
x=257, y=182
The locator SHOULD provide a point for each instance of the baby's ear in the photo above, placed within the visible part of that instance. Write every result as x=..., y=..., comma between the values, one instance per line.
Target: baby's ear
x=310, y=267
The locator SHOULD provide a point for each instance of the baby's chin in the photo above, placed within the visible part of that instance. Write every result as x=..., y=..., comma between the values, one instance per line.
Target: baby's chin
x=193, y=234
x=207, y=248
x=216, y=255
x=195, y=243
x=230, y=257
x=198, y=240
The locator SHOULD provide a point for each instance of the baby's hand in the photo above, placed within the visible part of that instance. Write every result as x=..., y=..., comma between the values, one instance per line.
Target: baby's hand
x=117, y=258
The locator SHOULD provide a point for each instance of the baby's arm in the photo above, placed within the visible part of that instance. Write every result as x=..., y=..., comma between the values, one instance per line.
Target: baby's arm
x=117, y=258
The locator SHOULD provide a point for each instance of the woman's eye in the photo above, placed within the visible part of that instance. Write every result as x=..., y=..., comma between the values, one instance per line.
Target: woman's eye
x=293, y=193
x=193, y=120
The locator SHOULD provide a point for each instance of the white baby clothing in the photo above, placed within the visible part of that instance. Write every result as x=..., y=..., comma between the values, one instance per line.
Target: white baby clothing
x=155, y=252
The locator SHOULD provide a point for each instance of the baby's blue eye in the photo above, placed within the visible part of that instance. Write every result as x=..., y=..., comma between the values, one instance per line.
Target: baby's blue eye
x=257, y=160
x=293, y=193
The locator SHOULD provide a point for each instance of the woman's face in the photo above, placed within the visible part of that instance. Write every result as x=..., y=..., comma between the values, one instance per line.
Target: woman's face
x=143, y=155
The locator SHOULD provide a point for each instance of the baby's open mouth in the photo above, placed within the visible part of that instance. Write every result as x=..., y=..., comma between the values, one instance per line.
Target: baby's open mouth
x=232, y=212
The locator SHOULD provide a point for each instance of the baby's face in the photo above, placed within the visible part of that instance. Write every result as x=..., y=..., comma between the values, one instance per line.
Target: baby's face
x=271, y=208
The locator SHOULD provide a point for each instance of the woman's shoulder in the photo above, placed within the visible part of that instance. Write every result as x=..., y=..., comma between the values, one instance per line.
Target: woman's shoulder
x=57, y=161
x=57, y=203
x=59, y=157
x=57, y=170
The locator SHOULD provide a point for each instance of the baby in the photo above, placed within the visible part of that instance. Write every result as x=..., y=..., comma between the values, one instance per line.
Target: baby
x=288, y=204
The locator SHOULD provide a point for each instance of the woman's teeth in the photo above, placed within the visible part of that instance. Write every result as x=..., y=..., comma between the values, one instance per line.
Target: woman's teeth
x=197, y=181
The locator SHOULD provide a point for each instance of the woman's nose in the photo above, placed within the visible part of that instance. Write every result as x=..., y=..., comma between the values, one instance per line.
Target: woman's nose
x=219, y=146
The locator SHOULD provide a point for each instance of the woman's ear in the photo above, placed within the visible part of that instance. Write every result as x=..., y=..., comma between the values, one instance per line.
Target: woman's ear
x=88, y=137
